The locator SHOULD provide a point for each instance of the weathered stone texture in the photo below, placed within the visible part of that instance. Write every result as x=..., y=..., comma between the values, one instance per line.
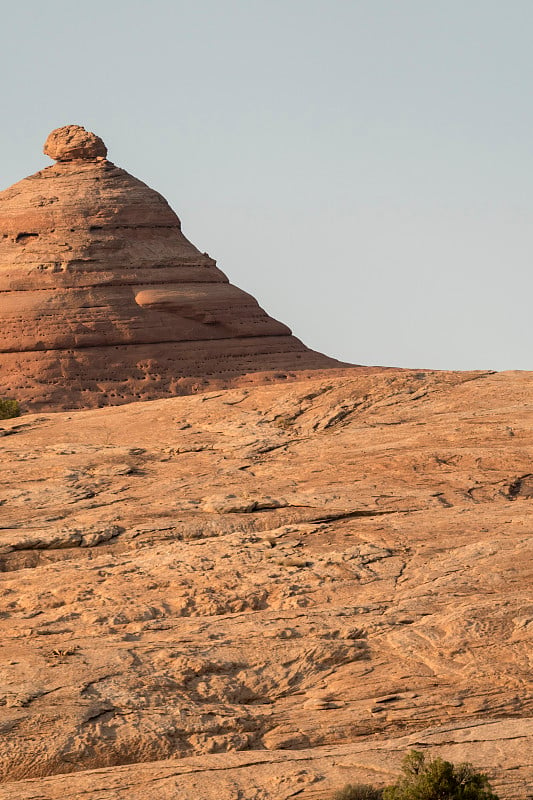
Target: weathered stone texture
x=99, y=285
x=269, y=591
x=73, y=142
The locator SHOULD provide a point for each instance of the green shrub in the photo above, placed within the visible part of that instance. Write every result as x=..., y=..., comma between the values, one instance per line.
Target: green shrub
x=438, y=780
x=358, y=791
x=9, y=409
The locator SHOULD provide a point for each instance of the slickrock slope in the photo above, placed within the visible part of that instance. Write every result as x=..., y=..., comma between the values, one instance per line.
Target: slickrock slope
x=103, y=300
x=269, y=591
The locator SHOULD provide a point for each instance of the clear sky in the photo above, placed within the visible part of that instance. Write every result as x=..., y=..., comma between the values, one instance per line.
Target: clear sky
x=362, y=167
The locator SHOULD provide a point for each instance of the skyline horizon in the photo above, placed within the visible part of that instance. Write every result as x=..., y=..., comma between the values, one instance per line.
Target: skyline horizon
x=371, y=186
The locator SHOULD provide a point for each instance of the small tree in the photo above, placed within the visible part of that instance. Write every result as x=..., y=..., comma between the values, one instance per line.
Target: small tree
x=438, y=780
x=9, y=409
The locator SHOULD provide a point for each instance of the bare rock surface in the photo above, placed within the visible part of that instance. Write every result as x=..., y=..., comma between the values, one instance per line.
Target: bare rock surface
x=103, y=300
x=268, y=591
x=73, y=142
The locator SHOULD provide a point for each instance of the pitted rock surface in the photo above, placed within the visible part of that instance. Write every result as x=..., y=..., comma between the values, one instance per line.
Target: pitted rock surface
x=73, y=142
x=103, y=300
x=268, y=592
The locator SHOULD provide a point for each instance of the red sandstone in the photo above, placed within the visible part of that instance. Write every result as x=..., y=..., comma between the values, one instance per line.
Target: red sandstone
x=103, y=300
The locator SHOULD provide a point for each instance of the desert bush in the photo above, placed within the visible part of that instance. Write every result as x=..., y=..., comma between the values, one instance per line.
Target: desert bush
x=426, y=780
x=358, y=791
x=438, y=780
x=9, y=409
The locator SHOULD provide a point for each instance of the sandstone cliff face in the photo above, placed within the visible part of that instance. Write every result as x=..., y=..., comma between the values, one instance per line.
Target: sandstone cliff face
x=269, y=591
x=103, y=299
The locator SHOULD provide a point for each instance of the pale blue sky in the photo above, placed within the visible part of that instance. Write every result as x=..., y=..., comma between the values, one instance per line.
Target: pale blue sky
x=363, y=167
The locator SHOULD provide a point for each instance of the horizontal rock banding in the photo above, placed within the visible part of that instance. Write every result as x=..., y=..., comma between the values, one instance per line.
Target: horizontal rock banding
x=91, y=257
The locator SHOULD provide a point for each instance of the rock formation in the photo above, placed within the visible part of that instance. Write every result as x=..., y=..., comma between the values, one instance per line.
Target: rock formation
x=103, y=300
x=270, y=591
x=264, y=592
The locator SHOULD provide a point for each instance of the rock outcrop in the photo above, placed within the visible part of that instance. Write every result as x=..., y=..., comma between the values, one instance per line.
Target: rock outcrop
x=72, y=142
x=103, y=300
x=270, y=591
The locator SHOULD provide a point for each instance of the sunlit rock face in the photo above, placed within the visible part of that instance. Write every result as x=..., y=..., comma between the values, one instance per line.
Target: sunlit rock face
x=267, y=592
x=103, y=300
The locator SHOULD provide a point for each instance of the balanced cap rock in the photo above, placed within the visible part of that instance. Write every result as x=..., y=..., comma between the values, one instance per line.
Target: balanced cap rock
x=72, y=142
x=103, y=300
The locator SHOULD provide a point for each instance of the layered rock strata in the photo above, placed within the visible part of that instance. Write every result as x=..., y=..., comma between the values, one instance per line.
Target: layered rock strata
x=103, y=299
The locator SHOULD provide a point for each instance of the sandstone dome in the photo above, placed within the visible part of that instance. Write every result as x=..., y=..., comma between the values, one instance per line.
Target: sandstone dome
x=103, y=300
